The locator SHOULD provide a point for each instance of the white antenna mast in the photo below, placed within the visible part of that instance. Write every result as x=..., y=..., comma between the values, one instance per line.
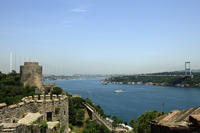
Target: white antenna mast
x=11, y=62
x=15, y=62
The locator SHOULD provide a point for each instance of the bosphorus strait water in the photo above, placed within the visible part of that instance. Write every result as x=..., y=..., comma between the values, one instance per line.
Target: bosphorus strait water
x=135, y=99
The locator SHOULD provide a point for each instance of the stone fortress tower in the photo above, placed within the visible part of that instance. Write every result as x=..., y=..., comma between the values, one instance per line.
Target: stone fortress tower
x=31, y=75
x=28, y=115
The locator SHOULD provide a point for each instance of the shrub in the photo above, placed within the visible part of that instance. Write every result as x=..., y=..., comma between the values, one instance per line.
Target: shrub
x=57, y=91
x=92, y=127
x=62, y=129
x=43, y=125
x=145, y=119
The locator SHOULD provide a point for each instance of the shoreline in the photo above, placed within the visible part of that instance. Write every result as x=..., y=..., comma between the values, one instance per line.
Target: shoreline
x=149, y=83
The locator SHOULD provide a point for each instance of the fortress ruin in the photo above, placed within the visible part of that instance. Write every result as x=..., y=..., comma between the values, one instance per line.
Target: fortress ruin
x=25, y=116
x=31, y=75
x=35, y=114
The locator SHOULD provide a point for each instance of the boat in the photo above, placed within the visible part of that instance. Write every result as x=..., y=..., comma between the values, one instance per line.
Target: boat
x=104, y=82
x=118, y=91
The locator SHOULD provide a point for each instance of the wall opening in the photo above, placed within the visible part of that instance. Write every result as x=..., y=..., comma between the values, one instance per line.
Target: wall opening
x=57, y=110
x=14, y=121
x=49, y=116
x=43, y=130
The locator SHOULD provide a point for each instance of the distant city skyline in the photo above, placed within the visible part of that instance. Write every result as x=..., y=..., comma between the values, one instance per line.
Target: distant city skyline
x=99, y=36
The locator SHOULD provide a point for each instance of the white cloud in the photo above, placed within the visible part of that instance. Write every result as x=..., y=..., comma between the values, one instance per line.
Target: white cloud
x=78, y=10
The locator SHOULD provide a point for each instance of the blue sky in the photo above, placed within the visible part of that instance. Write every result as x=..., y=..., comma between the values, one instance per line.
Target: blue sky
x=101, y=36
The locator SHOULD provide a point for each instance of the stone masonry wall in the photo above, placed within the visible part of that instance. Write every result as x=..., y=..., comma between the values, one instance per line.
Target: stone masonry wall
x=58, y=105
x=31, y=74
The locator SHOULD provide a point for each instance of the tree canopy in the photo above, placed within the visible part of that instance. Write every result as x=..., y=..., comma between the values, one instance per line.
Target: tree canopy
x=143, y=125
x=76, y=111
x=92, y=127
x=12, y=90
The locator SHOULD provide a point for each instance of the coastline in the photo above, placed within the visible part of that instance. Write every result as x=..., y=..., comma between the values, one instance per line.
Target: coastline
x=149, y=83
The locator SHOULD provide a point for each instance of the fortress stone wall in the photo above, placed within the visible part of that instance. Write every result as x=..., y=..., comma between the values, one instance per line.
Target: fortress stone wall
x=31, y=74
x=21, y=117
x=52, y=108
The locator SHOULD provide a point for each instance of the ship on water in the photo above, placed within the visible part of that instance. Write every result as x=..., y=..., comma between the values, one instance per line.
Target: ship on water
x=118, y=91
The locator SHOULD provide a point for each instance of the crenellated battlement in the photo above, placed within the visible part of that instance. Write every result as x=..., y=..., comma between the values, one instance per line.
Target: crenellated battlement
x=27, y=115
x=36, y=103
x=34, y=99
x=31, y=63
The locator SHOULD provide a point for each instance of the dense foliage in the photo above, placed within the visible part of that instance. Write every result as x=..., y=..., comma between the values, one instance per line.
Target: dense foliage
x=12, y=90
x=76, y=116
x=168, y=80
x=92, y=127
x=133, y=123
x=76, y=111
x=116, y=121
x=143, y=122
x=57, y=91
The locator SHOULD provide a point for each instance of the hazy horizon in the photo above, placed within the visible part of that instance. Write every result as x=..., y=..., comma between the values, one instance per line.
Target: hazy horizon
x=99, y=36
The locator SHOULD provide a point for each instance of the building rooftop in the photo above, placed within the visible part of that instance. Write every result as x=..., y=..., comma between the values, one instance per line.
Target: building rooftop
x=180, y=118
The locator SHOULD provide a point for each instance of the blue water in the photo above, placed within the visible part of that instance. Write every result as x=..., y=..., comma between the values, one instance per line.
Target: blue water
x=135, y=100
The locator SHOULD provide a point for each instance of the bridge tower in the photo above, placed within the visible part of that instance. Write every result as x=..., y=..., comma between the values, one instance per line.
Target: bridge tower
x=188, y=71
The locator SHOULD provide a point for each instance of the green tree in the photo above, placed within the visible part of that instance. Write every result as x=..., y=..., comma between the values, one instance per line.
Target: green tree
x=132, y=123
x=57, y=91
x=116, y=121
x=76, y=111
x=145, y=119
x=12, y=89
x=92, y=127
x=87, y=100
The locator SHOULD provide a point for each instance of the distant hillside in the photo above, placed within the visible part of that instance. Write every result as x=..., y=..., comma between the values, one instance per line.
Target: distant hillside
x=73, y=77
x=55, y=77
x=163, y=79
x=196, y=71
x=193, y=70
